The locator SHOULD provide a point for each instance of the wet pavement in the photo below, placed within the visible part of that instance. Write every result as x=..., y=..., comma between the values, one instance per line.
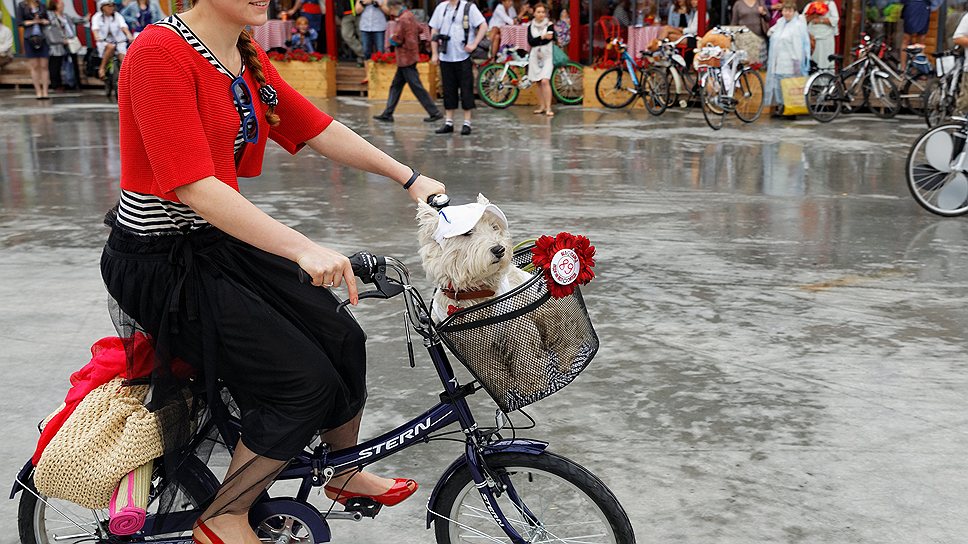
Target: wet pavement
x=783, y=329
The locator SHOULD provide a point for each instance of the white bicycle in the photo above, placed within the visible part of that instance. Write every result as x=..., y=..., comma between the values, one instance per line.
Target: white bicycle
x=937, y=172
x=727, y=84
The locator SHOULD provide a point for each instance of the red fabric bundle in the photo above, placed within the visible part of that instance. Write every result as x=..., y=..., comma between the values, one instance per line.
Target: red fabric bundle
x=817, y=8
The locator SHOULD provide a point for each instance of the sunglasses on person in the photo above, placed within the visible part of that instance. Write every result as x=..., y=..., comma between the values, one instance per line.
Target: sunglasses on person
x=242, y=98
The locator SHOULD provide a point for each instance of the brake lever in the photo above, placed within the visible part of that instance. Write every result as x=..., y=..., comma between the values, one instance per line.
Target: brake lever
x=384, y=287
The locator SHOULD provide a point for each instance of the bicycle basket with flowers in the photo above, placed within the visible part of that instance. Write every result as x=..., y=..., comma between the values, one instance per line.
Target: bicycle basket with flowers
x=534, y=340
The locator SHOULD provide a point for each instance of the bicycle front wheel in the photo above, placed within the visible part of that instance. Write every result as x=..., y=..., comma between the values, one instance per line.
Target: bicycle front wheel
x=749, y=96
x=566, y=83
x=824, y=97
x=655, y=90
x=496, y=87
x=615, y=88
x=932, y=176
x=709, y=96
x=548, y=499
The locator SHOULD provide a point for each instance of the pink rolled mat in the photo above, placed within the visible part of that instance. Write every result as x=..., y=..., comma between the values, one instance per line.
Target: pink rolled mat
x=130, y=501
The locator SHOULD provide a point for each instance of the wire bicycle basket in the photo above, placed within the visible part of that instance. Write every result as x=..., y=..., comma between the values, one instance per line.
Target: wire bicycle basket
x=524, y=345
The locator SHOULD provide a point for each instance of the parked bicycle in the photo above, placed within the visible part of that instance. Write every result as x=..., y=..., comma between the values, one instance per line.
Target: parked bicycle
x=499, y=490
x=937, y=169
x=941, y=95
x=727, y=84
x=500, y=83
x=669, y=79
x=861, y=83
x=621, y=84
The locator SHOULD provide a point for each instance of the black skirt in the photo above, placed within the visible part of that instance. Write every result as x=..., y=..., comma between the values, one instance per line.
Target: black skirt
x=238, y=317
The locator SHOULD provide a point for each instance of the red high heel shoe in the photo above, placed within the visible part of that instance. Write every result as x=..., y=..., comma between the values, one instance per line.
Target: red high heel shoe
x=209, y=534
x=399, y=492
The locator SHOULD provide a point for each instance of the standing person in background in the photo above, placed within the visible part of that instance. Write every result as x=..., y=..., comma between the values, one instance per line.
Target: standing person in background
x=349, y=27
x=917, y=17
x=563, y=29
x=6, y=46
x=451, y=46
x=62, y=33
x=111, y=34
x=406, y=43
x=32, y=17
x=373, y=26
x=541, y=38
x=313, y=11
x=754, y=15
x=789, y=53
x=822, y=23
x=141, y=13
x=504, y=15
x=623, y=13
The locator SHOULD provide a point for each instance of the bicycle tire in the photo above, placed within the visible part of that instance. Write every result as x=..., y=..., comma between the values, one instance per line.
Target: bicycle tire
x=567, y=84
x=497, y=88
x=935, y=104
x=912, y=95
x=525, y=472
x=889, y=103
x=655, y=90
x=749, y=95
x=614, y=88
x=930, y=186
x=824, y=97
x=28, y=515
x=714, y=115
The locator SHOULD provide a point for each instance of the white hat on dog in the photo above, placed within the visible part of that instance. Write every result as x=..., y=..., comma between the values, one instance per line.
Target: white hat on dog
x=456, y=220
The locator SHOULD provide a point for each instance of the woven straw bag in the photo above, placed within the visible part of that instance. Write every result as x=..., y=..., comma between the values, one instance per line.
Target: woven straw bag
x=109, y=434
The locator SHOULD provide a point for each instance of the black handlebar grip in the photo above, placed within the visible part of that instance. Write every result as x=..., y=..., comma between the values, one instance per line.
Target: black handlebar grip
x=364, y=265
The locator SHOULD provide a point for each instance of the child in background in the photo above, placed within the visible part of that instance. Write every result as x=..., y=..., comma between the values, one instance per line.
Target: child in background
x=563, y=29
x=303, y=37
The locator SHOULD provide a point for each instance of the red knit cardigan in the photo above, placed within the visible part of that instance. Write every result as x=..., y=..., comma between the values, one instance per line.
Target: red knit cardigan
x=178, y=122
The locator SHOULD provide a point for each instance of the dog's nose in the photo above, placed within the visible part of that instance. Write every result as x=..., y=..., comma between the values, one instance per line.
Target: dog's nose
x=498, y=251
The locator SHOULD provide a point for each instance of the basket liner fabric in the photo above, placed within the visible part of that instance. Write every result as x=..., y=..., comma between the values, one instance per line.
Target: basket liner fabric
x=523, y=345
x=110, y=434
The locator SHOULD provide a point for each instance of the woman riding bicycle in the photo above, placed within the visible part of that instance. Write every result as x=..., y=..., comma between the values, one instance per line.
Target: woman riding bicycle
x=111, y=34
x=211, y=280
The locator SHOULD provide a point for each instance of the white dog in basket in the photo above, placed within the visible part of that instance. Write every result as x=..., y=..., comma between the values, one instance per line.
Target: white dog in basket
x=466, y=252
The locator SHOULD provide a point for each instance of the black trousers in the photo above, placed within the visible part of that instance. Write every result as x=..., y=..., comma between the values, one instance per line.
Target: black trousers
x=408, y=75
x=54, y=67
x=458, y=77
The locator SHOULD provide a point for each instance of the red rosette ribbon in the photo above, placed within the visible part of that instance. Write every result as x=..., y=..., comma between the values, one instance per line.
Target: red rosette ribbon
x=566, y=260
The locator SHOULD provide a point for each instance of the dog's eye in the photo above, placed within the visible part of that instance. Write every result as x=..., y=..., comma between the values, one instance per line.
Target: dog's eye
x=495, y=227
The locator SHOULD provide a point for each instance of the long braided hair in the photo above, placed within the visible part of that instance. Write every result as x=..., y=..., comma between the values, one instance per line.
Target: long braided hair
x=250, y=56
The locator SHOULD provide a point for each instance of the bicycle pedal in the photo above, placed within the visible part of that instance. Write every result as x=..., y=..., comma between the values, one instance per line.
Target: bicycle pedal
x=368, y=508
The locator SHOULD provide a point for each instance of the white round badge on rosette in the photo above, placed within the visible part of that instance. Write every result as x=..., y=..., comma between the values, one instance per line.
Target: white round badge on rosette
x=565, y=267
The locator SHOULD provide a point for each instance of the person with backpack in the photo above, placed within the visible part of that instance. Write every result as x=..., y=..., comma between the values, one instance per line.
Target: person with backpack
x=458, y=27
x=406, y=42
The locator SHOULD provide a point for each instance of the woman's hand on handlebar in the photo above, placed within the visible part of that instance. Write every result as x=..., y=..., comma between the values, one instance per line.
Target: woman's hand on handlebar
x=329, y=268
x=423, y=187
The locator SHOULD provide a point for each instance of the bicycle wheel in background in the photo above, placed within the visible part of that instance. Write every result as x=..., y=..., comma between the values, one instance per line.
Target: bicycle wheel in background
x=824, y=97
x=749, y=96
x=566, y=83
x=548, y=499
x=496, y=87
x=655, y=90
x=709, y=89
x=881, y=95
x=912, y=95
x=933, y=182
x=937, y=107
x=615, y=88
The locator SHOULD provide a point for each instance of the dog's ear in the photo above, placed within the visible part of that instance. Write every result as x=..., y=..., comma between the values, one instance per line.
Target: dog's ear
x=427, y=222
x=482, y=200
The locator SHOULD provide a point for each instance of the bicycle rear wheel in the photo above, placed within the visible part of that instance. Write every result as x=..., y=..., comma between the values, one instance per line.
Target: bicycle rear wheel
x=937, y=106
x=615, y=88
x=912, y=95
x=566, y=83
x=933, y=182
x=709, y=93
x=881, y=95
x=655, y=90
x=824, y=97
x=496, y=87
x=555, y=500
x=749, y=96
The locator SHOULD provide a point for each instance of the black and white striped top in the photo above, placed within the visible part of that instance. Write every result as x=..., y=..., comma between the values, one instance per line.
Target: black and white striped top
x=150, y=214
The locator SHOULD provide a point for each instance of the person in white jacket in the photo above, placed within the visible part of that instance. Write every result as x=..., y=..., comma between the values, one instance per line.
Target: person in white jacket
x=6, y=45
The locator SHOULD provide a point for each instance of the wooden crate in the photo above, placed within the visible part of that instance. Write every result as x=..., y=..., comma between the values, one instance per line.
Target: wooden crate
x=316, y=79
x=380, y=76
x=589, y=79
